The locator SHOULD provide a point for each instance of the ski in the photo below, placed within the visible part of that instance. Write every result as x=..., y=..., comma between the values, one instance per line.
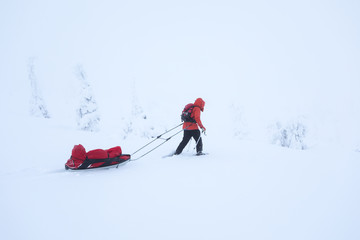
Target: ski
x=173, y=154
x=201, y=154
x=169, y=155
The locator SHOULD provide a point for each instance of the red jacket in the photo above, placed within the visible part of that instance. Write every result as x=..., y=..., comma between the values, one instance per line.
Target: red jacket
x=199, y=106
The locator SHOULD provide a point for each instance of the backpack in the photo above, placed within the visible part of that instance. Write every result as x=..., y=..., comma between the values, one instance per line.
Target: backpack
x=186, y=113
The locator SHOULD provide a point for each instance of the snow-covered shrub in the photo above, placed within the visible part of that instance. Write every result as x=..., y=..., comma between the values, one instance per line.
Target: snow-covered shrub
x=357, y=149
x=87, y=113
x=37, y=103
x=291, y=135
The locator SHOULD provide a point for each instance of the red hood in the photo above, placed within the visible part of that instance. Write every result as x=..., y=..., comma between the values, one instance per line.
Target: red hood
x=200, y=103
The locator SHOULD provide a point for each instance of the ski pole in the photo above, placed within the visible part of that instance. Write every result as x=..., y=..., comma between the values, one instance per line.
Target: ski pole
x=198, y=140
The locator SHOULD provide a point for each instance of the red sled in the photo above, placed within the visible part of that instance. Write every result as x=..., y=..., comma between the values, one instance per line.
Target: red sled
x=80, y=159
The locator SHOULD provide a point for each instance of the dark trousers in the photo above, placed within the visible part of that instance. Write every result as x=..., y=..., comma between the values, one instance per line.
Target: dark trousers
x=188, y=134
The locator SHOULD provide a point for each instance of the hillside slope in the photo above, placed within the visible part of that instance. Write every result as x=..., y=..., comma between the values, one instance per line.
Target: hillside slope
x=240, y=190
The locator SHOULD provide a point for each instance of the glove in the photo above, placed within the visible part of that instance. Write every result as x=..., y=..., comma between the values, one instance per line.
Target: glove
x=203, y=129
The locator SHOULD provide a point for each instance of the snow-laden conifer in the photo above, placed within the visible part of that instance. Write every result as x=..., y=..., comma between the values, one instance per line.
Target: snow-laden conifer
x=88, y=118
x=37, y=104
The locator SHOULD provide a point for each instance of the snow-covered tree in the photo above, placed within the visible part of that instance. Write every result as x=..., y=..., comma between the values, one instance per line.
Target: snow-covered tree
x=240, y=126
x=137, y=124
x=291, y=135
x=88, y=118
x=37, y=103
x=136, y=110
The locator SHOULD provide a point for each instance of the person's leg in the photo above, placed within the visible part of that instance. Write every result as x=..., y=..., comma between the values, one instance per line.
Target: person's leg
x=197, y=137
x=185, y=140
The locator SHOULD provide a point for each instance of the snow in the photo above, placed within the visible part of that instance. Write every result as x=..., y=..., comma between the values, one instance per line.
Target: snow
x=264, y=68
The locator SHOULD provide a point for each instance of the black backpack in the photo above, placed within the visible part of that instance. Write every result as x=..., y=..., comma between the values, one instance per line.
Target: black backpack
x=186, y=113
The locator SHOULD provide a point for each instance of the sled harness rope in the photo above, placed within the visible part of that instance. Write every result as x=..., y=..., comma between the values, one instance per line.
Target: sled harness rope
x=158, y=137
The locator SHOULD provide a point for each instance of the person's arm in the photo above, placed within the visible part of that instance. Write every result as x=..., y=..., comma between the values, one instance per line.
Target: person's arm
x=197, y=118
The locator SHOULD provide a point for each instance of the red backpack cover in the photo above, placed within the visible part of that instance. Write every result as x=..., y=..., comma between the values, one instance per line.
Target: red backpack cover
x=80, y=159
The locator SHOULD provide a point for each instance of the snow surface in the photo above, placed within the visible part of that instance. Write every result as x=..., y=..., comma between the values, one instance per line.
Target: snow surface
x=257, y=64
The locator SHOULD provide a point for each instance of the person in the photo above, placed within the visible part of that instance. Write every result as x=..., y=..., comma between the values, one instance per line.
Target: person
x=191, y=129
